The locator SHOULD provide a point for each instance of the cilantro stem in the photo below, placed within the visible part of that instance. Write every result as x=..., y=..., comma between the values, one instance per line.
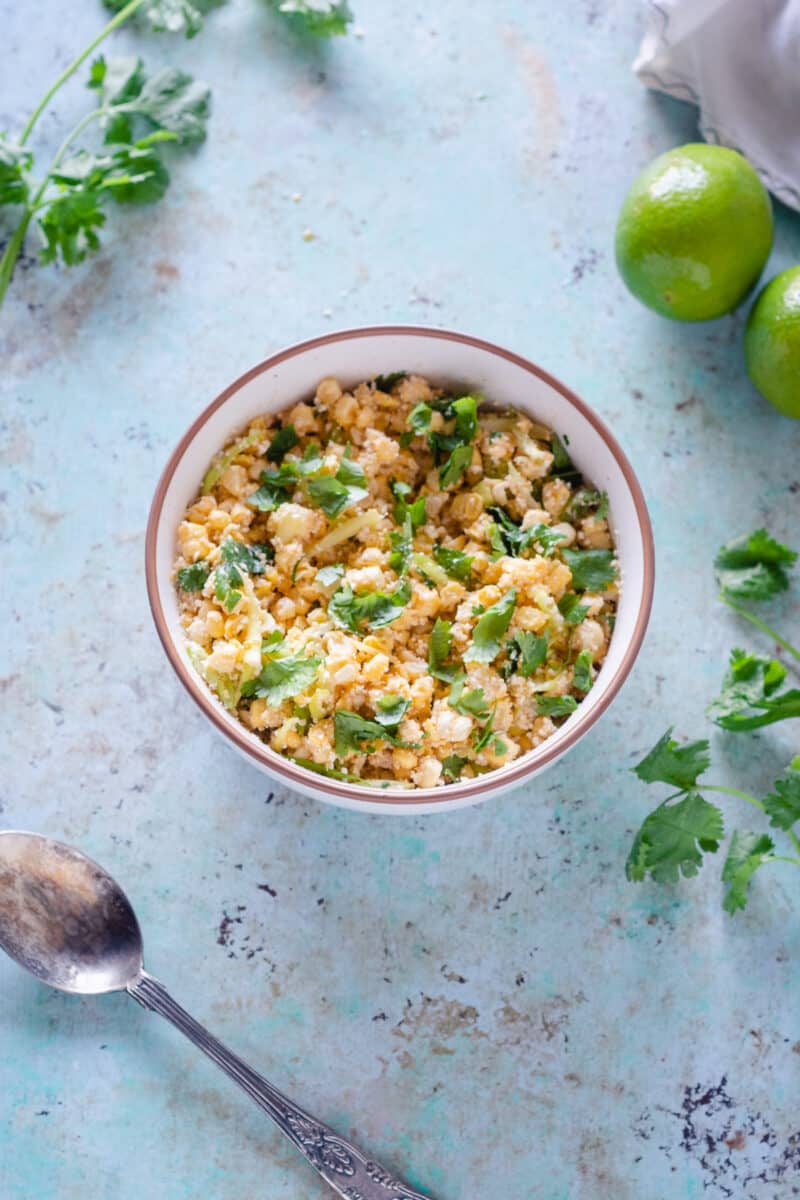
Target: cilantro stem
x=11, y=253
x=782, y=858
x=762, y=625
x=729, y=791
x=117, y=20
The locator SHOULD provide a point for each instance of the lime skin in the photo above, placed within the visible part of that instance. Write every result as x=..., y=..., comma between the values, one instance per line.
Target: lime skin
x=772, y=342
x=694, y=232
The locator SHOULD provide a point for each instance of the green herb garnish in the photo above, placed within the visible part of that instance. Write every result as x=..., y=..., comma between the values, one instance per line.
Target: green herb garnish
x=371, y=609
x=193, y=578
x=490, y=629
x=592, y=570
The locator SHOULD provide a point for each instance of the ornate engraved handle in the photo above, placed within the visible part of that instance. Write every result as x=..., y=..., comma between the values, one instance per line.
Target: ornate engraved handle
x=341, y=1164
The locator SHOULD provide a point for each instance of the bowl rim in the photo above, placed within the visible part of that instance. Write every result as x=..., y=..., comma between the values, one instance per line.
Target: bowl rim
x=470, y=790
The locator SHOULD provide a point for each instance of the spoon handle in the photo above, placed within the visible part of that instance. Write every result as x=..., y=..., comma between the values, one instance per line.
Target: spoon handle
x=341, y=1164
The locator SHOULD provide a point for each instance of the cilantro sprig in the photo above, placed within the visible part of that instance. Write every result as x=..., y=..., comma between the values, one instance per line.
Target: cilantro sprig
x=68, y=203
x=686, y=826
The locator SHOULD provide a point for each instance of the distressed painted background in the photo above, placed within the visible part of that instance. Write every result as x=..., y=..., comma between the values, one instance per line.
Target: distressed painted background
x=482, y=997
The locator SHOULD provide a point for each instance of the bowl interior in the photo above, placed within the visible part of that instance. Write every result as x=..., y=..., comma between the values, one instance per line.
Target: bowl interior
x=447, y=359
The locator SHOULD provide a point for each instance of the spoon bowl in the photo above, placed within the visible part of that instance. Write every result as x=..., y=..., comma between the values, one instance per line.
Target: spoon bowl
x=64, y=919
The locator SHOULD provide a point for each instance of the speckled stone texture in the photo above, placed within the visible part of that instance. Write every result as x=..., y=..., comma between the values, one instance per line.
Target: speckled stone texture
x=482, y=997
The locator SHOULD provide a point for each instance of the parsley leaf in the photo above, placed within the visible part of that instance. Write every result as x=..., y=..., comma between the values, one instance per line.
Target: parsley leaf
x=193, y=578
x=782, y=806
x=671, y=840
x=571, y=608
x=439, y=651
x=455, y=466
x=582, y=672
x=283, y=678
x=746, y=853
x=321, y=18
x=490, y=629
x=749, y=698
x=469, y=704
x=526, y=652
x=753, y=567
x=285, y=440
x=452, y=766
x=592, y=570
x=372, y=609
x=669, y=762
x=457, y=564
x=555, y=706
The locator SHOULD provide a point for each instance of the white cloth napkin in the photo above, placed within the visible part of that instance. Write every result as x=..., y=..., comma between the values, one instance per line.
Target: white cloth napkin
x=739, y=61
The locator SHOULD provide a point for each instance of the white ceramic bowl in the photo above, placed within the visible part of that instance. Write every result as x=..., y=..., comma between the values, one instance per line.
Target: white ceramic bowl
x=447, y=359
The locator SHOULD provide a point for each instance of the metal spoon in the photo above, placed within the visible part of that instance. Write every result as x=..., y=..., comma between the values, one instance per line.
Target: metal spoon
x=71, y=925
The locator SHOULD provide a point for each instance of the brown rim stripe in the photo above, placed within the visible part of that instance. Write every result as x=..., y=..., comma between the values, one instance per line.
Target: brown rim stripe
x=486, y=784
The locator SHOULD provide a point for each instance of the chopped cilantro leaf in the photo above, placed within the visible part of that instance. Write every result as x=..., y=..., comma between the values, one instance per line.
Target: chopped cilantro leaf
x=455, y=466
x=512, y=539
x=749, y=697
x=372, y=609
x=193, y=578
x=439, y=651
x=484, y=735
x=526, y=652
x=328, y=576
x=237, y=557
x=491, y=628
x=669, y=762
x=592, y=570
x=391, y=710
x=782, y=805
x=582, y=672
x=457, y=564
x=402, y=543
x=385, y=383
x=469, y=704
x=555, y=706
x=465, y=410
x=334, y=493
x=672, y=839
x=283, y=678
x=354, y=734
x=746, y=853
x=571, y=608
x=584, y=502
x=419, y=419
x=563, y=466
x=284, y=441
x=401, y=491
x=754, y=567
x=452, y=766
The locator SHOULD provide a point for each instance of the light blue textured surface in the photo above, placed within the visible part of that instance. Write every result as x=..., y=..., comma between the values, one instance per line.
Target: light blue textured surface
x=481, y=997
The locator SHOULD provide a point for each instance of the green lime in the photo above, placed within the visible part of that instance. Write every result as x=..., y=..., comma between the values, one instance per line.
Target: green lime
x=772, y=342
x=694, y=232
